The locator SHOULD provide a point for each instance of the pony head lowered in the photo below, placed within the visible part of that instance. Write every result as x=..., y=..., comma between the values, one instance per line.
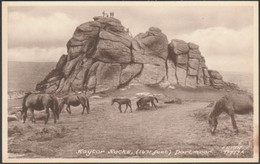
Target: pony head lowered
x=212, y=119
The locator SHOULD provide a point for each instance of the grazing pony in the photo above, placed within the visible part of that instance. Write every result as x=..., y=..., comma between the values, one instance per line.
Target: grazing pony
x=74, y=100
x=39, y=102
x=231, y=104
x=144, y=100
x=121, y=101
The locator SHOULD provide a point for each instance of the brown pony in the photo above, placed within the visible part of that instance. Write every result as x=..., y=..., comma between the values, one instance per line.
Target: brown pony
x=74, y=100
x=121, y=101
x=144, y=100
x=39, y=102
x=231, y=104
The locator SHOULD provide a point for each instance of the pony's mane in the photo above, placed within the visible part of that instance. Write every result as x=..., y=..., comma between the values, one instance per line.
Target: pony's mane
x=24, y=99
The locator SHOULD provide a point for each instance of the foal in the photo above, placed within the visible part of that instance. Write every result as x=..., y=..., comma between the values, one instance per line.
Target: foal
x=121, y=101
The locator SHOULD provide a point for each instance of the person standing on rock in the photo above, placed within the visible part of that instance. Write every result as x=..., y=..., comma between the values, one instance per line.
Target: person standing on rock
x=103, y=13
x=112, y=14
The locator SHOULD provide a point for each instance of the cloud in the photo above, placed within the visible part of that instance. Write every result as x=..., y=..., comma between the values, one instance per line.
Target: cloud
x=35, y=54
x=28, y=30
x=224, y=33
x=224, y=48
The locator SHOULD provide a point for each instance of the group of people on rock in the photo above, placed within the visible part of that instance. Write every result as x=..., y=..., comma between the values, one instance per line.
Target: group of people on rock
x=106, y=14
x=111, y=15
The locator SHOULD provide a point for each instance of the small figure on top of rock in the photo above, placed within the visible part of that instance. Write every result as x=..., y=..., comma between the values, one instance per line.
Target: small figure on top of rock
x=103, y=13
x=127, y=30
x=112, y=14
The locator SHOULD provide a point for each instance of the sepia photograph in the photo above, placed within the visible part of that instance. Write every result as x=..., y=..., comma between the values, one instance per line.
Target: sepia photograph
x=130, y=81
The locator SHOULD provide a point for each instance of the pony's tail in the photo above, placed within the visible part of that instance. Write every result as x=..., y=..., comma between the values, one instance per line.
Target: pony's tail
x=24, y=100
x=155, y=99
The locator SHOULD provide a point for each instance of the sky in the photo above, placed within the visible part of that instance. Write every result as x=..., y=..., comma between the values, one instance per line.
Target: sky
x=224, y=33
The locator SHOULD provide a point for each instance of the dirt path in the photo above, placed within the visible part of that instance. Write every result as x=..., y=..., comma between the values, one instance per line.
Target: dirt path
x=171, y=131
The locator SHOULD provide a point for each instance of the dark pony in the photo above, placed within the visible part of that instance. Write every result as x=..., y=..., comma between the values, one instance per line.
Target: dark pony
x=144, y=100
x=39, y=102
x=122, y=101
x=230, y=104
x=75, y=100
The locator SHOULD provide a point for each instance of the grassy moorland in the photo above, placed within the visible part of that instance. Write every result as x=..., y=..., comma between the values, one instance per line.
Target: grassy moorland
x=172, y=131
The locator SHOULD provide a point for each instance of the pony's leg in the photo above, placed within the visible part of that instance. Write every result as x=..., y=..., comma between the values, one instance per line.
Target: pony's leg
x=88, y=108
x=32, y=112
x=68, y=109
x=83, y=106
x=24, y=115
x=234, y=124
x=48, y=115
x=119, y=107
x=126, y=107
x=154, y=105
x=130, y=108
x=54, y=115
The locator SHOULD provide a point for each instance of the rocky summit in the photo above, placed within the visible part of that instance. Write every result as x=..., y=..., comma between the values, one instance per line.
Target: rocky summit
x=102, y=55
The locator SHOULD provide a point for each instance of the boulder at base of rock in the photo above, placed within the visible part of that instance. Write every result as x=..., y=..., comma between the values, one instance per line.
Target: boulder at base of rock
x=12, y=118
x=164, y=84
x=173, y=101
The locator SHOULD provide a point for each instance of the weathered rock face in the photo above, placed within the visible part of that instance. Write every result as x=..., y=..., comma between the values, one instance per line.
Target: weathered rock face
x=151, y=49
x=191, y=69
x=103, y=56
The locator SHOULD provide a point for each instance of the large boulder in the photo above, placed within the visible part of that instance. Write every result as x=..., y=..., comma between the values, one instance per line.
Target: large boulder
x=149, y=47
x=215, y=74
x=193, y=45
x=179, y=47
